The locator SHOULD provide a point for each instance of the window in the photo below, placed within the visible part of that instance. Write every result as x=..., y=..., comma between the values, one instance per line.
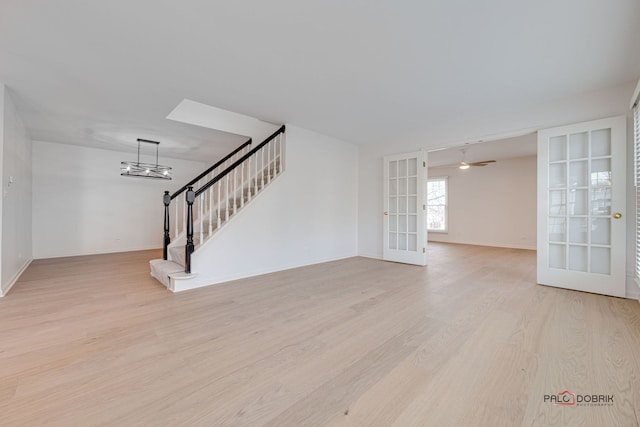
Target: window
x=636, y=133
x=437, y=199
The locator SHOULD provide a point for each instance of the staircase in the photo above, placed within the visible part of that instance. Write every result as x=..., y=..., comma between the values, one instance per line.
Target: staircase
x=201, y=208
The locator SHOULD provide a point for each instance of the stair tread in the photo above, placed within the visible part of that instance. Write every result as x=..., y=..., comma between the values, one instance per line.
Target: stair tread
x=161, y=269
x=167, y=266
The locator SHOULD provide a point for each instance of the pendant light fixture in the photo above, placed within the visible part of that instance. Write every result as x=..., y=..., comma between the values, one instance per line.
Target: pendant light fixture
x=145, y=170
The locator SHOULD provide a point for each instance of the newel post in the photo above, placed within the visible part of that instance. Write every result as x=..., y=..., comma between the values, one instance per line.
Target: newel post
x=191, y=197
x=167, y=239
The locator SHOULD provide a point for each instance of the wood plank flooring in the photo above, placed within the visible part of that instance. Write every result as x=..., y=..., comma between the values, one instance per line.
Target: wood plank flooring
x=470, y=340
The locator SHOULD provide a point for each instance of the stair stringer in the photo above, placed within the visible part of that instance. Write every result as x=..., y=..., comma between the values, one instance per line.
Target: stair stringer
x=206, y=259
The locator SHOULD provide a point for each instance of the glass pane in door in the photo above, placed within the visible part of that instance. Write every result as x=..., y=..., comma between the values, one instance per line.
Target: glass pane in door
x=578, y=258
x=579, y=145
x=557, y=255
x=580, y=182
x=601, y=143
x=600, y=260
x=601, y=231
x=403, y=211
x=558, y=148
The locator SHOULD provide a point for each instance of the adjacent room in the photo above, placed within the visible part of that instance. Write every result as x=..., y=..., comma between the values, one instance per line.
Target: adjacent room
x=484, y=193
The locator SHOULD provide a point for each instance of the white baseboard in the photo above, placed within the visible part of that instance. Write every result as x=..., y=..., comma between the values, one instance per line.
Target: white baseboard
x=68, y=254
x=489, y=244
x=633, y=291
x=379, y=255
x=369, y=255
x=15, y=278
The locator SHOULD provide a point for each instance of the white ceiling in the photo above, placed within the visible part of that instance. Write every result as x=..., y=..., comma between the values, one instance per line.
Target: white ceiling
x=104, y=73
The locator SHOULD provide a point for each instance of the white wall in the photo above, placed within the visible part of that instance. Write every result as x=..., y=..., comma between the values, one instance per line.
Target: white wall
x=605, y=103
x=81, y=204
x=493, y=205
x=308, y=215
x=16, y=193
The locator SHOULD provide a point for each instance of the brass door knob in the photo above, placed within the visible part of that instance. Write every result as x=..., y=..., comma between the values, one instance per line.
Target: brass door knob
x=617, y=215
x=386, y=213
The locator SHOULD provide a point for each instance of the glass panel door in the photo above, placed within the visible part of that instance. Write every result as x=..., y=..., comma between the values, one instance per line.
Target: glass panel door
x=404, y=236
x=581, y=182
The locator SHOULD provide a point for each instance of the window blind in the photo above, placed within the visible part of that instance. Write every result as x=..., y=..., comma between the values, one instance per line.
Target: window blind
x=636, y=145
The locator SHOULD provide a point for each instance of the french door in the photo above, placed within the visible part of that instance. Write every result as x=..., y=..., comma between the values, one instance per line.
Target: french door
x=581, y=206
x=403, y=217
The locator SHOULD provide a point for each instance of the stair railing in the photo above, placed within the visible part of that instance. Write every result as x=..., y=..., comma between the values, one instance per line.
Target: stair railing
x=178, y=198
x=221, y=197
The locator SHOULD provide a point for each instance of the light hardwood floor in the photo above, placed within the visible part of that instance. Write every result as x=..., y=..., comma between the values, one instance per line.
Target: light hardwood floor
x=470, y=340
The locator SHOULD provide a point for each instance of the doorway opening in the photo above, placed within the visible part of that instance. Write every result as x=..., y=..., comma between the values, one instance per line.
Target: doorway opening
x=484, y=193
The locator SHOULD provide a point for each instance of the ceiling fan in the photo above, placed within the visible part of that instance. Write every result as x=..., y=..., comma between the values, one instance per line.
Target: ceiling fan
x=464, y=164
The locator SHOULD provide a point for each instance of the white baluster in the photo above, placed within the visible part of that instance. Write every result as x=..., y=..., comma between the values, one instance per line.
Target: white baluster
x=272, y=148
x=278, y=156
x=249, y=186
x=202, y=197
x=175, y=208
x=210, y=211
x=235, y=181
x=200, y=220
x=281, y=152
x=255, y=178
x=278, y=153
x=265, y=167
x=268, y=147
x=275, y=156
x=226, y=196
x=242, y=184
x=218, y=207
x=184, y=212
x=274, y=142
x=262, y=168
